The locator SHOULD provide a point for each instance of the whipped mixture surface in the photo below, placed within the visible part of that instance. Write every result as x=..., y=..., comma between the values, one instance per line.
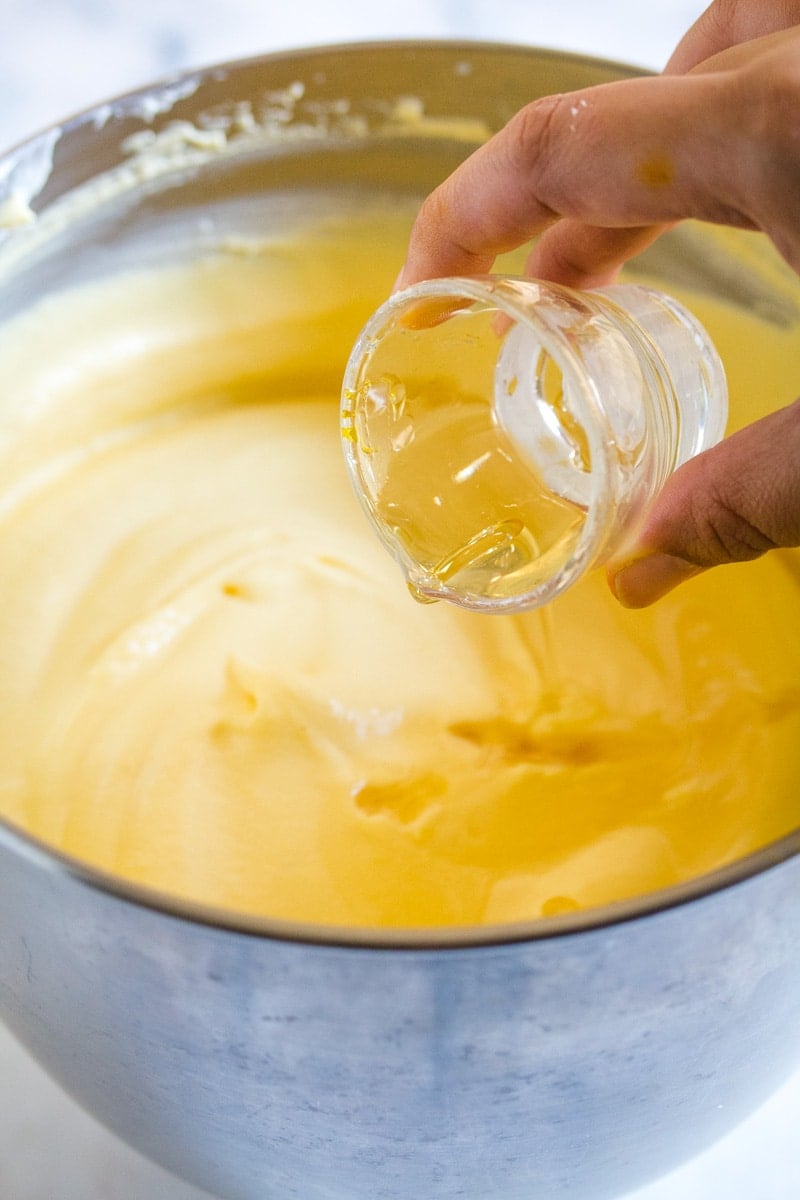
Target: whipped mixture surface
x=215, y=682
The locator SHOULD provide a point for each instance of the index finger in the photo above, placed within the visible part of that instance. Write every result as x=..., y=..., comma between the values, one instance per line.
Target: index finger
x=637, y=152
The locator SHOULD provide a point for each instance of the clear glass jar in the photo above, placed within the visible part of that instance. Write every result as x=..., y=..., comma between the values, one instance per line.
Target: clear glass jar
x=504, y=435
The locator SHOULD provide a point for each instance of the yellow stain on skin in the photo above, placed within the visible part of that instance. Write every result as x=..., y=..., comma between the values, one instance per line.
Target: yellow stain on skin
x=657, y=171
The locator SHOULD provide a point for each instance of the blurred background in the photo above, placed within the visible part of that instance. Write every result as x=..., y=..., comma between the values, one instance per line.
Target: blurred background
x=59, y=56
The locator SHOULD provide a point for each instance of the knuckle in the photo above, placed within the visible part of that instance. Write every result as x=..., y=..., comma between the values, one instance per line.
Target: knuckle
x=535, y=142
x=435, y=232
x=739, y=500
x=430, y=217
x=726, y=532
x=724, y=17
x=735, y=21
x=726, y=536
x=770, y=99
x=445, y=228
x=764, y=101
x=529, y=130
x=565, y=262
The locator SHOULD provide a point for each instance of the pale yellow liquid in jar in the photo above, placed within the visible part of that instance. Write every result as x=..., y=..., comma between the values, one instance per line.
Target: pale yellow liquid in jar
x=215, y=683
x=445, y=482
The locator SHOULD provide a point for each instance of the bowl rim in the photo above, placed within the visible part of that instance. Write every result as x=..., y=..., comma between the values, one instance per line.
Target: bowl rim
x=171, y=83
x=69, y=867
x=39, y=854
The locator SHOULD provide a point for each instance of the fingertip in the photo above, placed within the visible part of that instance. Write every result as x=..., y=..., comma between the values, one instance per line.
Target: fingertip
x=643, y=581
x=427, y=314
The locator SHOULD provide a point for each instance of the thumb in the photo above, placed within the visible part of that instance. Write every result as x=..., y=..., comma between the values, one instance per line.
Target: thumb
x=730, y=504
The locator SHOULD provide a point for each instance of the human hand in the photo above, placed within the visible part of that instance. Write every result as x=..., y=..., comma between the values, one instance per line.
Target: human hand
x=601, y=173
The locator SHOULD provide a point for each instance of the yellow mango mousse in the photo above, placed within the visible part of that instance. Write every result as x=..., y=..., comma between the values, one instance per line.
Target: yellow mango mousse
x=215, y=682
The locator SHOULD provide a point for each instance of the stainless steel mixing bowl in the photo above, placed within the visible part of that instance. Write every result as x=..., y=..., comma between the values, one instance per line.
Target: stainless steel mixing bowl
x=570, y=1058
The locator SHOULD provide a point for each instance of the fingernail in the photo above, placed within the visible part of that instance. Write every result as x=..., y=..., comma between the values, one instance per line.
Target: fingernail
x=398, y=283
x=647, y=579
x=427, y=314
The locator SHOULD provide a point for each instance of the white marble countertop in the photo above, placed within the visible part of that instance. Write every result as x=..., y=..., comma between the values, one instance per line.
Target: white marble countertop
x=58, y=56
